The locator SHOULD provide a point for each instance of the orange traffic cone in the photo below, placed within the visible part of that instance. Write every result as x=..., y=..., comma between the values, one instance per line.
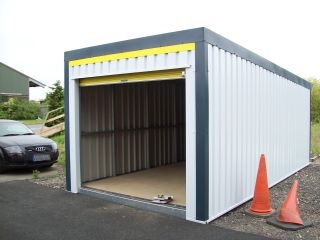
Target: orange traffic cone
x=289, y=217
x=261, y=203
x=289, y=212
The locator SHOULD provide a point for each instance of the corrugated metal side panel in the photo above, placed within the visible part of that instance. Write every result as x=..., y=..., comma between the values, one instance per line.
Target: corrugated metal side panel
x=129, y=127
x=166, y=123
x=131, y=65
x=251, y=111
x=97, y=139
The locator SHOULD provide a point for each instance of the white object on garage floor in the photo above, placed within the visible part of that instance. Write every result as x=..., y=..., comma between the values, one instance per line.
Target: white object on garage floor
x=162, y=199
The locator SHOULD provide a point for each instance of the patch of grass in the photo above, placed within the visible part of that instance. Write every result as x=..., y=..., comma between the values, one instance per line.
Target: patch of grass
x=315, y=139
x=59, y=139
x=59, y=174
x=36, y=121
x=35, y=174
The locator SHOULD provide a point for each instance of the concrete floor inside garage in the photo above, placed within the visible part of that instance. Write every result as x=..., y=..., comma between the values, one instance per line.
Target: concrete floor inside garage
x=168, y=180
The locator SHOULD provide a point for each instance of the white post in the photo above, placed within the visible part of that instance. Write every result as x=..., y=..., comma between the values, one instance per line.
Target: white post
x=190, y=144
x=74, y=135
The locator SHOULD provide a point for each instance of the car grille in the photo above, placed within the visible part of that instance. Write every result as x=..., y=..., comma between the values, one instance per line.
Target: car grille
x=39, y=149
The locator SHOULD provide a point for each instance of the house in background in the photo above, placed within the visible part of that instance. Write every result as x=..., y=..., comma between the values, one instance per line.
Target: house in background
x=15, y=84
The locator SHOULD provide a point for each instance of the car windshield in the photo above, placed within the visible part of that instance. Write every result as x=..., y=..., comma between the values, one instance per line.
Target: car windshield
x=13, y=129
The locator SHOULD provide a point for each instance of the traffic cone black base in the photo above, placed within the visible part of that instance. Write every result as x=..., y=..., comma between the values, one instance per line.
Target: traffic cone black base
x=288, y=226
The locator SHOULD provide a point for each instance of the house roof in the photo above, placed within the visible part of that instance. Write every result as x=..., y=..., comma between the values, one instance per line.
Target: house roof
x=32, y=81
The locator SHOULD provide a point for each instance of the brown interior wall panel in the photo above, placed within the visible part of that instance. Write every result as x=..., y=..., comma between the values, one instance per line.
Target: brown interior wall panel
x=181, y=122
x=130, y=127
x=162, y=123
x=97, y=141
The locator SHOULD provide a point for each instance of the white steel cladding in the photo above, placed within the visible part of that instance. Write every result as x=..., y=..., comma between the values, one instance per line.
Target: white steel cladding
x=251, y=111
x=154, y=62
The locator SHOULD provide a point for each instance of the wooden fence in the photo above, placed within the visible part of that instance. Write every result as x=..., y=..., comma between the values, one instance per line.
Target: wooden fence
x=49, y=131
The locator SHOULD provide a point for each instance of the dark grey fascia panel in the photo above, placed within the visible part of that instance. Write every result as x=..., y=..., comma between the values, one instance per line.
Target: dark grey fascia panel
x=221, y=42
x=202, y=129
x=185, y=36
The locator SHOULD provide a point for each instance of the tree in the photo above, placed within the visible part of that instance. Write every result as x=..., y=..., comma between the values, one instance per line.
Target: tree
x=54, y=98
x=315, y=100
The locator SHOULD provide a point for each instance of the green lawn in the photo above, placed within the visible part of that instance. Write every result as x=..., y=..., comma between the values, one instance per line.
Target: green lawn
x=315, y=139
x=36, y=121
x=59, y=139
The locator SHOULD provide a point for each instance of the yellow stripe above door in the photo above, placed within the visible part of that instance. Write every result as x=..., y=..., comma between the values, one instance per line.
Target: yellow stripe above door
x=133, y=54
x=133, y=77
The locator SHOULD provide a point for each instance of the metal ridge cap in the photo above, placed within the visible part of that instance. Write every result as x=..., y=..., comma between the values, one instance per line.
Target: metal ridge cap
x=165, y=39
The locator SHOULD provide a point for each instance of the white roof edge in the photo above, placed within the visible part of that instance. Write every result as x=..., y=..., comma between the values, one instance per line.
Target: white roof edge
x=30, y=79
x=37, y=82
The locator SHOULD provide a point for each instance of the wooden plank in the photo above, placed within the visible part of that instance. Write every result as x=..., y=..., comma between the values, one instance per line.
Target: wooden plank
x=53, y=130
x=44, y=132
x=55, y=118
x=57, y=109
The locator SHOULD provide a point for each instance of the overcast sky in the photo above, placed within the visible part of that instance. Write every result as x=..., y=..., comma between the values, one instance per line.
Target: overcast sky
x=34, y=34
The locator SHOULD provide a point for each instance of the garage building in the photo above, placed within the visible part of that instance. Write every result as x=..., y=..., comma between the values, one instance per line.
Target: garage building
x=185, y=114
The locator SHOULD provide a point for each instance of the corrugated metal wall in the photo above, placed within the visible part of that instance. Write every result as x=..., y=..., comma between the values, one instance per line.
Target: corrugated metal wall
x=130, y=65
x=129, y=127
x=252, y=111
x=97, y=139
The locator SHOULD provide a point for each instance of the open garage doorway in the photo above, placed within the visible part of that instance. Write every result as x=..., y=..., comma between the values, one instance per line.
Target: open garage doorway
x=133, y=139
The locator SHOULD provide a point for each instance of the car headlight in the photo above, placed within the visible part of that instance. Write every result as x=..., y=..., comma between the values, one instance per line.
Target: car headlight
x=13, y=150
x=54, y=147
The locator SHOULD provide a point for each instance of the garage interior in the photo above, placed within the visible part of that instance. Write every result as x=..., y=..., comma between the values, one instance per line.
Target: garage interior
x=133, y=139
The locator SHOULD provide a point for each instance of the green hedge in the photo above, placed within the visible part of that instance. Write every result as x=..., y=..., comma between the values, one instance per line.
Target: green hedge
x=315, y=101
x=18, y=109
x=315, y=139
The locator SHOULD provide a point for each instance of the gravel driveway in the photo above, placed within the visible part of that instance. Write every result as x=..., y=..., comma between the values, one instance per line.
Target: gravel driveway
x=309, y=207
x=24, y=174
x=309, y=198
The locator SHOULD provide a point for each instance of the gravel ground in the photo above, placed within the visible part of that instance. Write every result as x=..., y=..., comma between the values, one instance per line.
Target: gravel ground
x=309, y=208
x=309, y=205
x=57, y=181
